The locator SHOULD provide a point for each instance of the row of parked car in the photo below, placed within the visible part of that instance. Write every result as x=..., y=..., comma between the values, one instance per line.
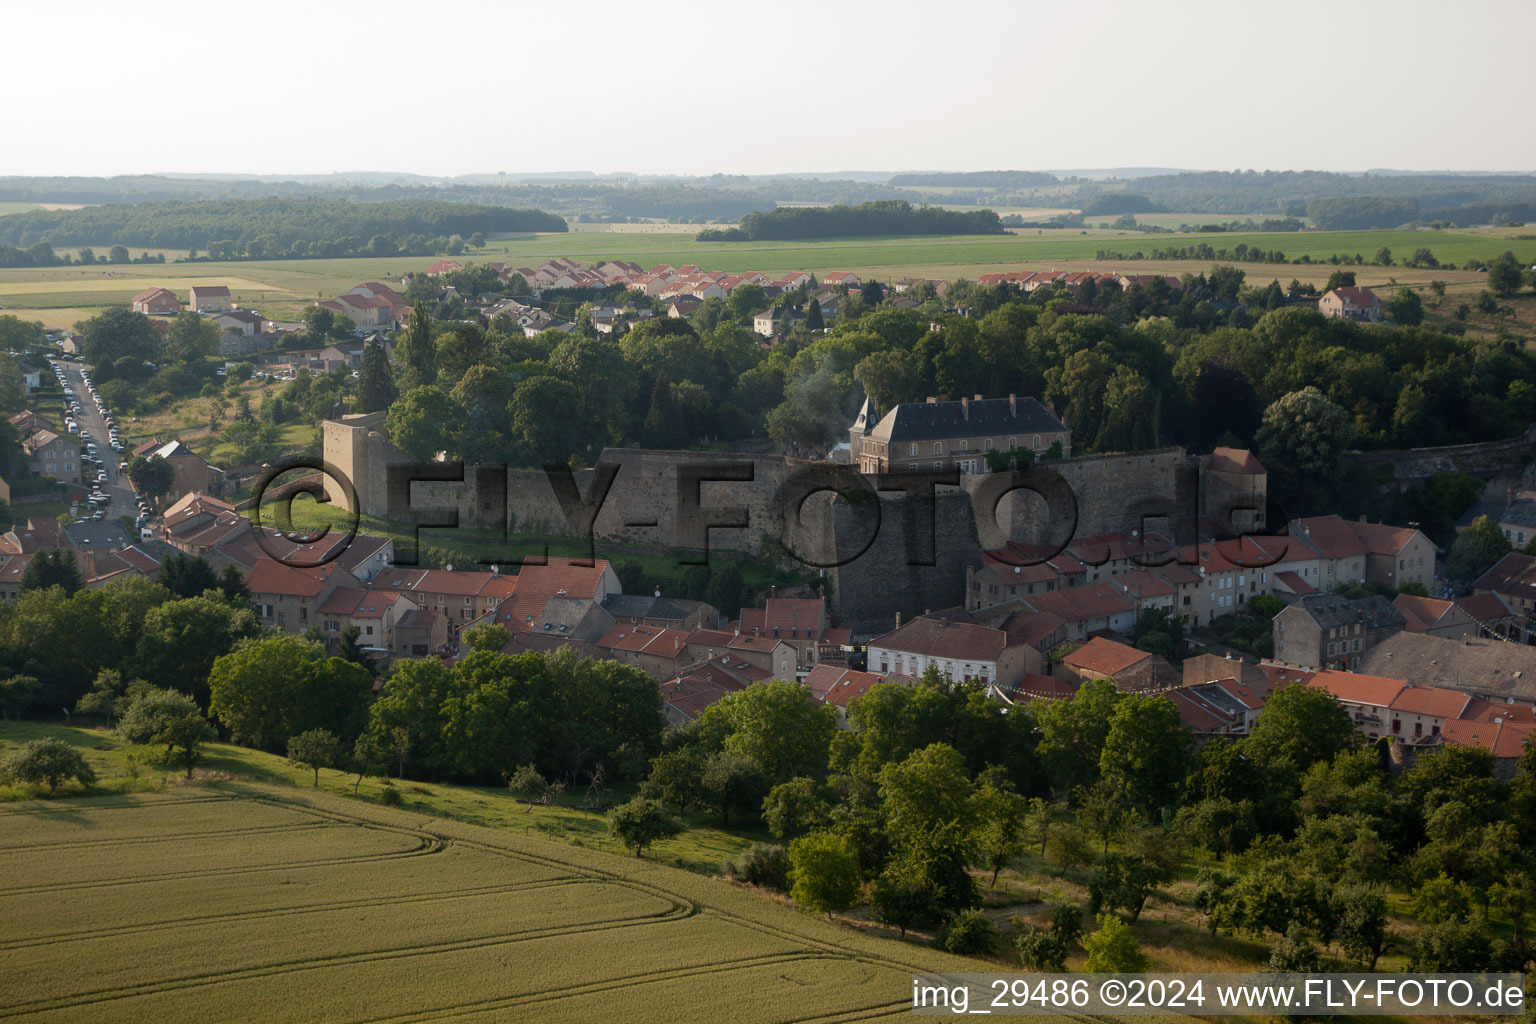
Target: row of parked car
x=90, y=454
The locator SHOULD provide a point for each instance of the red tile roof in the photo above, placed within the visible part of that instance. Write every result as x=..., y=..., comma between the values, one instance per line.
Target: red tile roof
x=1514, y=575
x=1504, y=740
x=1381, y=539
x=1080, y=604
x=839, y=687
x=1234, y=460
x=1330, y=535
x=1431, y=700
x=563, y=575
x=1480, y=710
x=1032, y=627
x=1104, y=657
x=1485, y=607
x=269, y=576
x=1420, y=613
x=1295, y=584
x=1359, y=688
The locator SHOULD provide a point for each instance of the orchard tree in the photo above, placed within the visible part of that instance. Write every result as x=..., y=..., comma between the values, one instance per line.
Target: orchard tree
x=49, y=760
x=639, y=823
x=1504, y=275
x=17, y=693
x=732, y=781
x=314, y=749
x=532, y=788
x=1113, y=949
x=172, y=719
x=823, y=873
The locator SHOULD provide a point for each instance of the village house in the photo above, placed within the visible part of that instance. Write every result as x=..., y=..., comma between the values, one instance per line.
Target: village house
x=1351, y=303
x=460, y=597
x=1514, y=512
x=190, y=471
x=1129, y=669
x=289, y=599
x=239, y=321
x=1333, y=632
x=1085, y=610
x=800, y=622
x=953, y=435
x=657, y=651
x=839, y=687
x=374, y=290
x=696, y=686
x=655, y=610
x=958, y=650
x=210, y=298
x=1433, y=616
x=777, y=320
x=55, y=455
x=364, y=311
x=157, y=302
x=1513, y=578
x=373, y=613
x=1222, y=707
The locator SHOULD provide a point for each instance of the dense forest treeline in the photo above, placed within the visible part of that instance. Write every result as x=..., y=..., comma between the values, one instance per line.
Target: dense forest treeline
x=194, y=225
x=1458, y=198
x=1462, y=199
x=977, y=179
x=882, y=217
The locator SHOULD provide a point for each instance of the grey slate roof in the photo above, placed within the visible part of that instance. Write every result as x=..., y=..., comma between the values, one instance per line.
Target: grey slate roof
x=1331, y=610
x=936, y=421
x=1522, y=512
x=645, y=606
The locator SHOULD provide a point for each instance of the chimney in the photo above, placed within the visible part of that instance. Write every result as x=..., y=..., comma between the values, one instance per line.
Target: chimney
x=965, y=408
x=943, y=621
x=773, y=591
x=1013, y=405
x=932, y=400
x=978, y=398
x=898, y=620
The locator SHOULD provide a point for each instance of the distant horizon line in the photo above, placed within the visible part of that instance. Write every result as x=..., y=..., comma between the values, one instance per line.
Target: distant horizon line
x=1119, y=171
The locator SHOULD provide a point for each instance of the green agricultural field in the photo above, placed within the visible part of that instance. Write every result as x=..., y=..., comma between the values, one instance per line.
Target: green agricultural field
x=61, y=295
x=9, y=208
x=246, y=902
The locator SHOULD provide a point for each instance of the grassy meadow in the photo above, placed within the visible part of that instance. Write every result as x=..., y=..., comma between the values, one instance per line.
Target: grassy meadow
x=59, y=296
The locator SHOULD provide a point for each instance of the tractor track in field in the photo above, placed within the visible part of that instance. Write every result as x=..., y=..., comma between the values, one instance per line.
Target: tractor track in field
x=678, y=911
x=164, y=924
x=86, y=844
x=609, y=985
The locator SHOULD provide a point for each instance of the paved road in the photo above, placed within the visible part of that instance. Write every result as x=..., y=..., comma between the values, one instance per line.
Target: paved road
x=118, y=487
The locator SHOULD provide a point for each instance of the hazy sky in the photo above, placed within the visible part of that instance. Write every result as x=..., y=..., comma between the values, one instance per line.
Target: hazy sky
x=458, y=86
